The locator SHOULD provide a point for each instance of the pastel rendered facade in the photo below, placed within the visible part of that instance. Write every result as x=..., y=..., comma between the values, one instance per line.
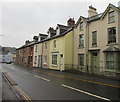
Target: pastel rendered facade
x=97, y=42
x=55, y=51
x=61, y=49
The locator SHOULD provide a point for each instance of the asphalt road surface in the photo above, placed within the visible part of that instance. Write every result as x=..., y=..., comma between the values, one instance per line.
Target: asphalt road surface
x=46, y=85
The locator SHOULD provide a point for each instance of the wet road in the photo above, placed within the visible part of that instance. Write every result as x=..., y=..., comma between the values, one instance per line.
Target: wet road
x=42, y=85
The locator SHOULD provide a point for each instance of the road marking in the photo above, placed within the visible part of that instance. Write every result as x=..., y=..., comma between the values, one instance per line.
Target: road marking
x=16, y=69
x=66, y=86
x=85, y=80
x=41, y=78
x=12, y=68
x=23, y=94
x=27, y=73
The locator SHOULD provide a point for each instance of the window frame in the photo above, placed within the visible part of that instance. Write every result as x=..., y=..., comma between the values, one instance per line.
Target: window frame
x=111, y=36
x=45, y=45
x=81, y=40
x=45, y=59
x=81, y=26
x=54, y=44
x=54, y=60
x=114, y=61
x=111, y=15
x=81, y=62
x=36, y=48
x=94, y=38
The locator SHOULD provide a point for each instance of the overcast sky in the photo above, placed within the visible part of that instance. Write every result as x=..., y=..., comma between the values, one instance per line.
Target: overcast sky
x=22, y=20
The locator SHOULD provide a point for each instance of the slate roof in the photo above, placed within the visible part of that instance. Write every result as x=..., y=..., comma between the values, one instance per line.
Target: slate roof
x=98, y=16
x=68, y=29
x=111, y=49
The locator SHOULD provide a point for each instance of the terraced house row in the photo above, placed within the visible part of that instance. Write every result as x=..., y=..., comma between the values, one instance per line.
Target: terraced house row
x=91, y=45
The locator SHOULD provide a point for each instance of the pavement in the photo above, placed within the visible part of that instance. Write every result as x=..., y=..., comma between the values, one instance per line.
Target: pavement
x=7, y=92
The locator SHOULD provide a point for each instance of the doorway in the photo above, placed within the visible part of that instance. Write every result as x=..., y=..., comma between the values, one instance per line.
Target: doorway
x=61, y=62
x=40, y=61
x=94, y=62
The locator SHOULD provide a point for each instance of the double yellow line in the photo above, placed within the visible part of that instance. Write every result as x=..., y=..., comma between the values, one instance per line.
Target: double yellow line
x=11, y=82
x=23, y=94
x=85, y=80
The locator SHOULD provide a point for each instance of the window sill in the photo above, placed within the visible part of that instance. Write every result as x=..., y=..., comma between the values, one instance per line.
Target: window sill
x=54, y=65
x=94, y=46
x=111, y=22
x=112, y=44
x=81, y=30
x=80, y=47
x=110, y=70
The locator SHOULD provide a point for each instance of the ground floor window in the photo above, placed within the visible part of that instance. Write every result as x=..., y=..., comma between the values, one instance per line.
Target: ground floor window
x=35, y=61
x=45, y=59
x=112, y=60
x=54, y=58
x=81, y=59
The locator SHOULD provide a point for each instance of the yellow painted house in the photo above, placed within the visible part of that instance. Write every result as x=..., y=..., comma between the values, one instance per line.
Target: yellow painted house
x=61, y=49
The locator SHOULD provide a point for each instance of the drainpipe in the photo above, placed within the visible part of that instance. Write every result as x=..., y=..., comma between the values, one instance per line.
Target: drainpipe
x=87, y=47
x=42, y=55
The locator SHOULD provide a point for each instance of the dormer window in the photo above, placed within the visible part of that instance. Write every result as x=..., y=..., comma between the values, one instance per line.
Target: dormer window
x=54, y=44
x=36, y=48
x=111, y=17
x=81, y=26
x=45, y=45
x=57, y=31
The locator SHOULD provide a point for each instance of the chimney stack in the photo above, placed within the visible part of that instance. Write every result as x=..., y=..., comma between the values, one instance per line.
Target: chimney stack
x=70, y=22
x=92, y=11
x=27, y=42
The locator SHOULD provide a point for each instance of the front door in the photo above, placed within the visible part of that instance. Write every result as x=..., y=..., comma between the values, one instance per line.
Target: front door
x=61, y=62
x=95, y=63
x=40, y=61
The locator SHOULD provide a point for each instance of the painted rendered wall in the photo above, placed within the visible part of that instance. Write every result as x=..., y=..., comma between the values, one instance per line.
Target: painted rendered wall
x=101, y=26
x=77, y=49
x=37, y=53
x=46, y=52
x=59, y=48
x=68, y=59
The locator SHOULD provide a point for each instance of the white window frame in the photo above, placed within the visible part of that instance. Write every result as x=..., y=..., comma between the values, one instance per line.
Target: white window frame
x=45, y=59
x=94, y=38
x=111, y=17
x=54, y=44
x=54, y=59
x=81, y=26
x=81, y=40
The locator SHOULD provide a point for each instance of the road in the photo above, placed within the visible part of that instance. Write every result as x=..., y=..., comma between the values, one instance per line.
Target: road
x=51, y=85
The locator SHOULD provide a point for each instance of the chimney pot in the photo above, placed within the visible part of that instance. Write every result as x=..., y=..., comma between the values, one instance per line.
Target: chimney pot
x=70, y=22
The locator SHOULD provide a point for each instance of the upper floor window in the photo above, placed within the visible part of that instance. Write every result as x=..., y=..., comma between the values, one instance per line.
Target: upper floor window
x=45, y=45
x=45, y=59
x=35, y=61
x=81, y=59
x=94, y=38
x=36, y=48
x=111, y=17
x=81, y=26
x=81, y=40
x=54, y=44
x=112, y=35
